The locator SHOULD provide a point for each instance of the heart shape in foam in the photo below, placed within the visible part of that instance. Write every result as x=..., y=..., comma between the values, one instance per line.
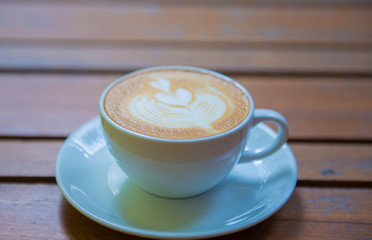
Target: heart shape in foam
x=162, y=84
x=181, y=98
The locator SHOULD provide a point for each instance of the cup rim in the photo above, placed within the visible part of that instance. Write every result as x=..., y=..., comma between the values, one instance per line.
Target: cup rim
x=181, y=67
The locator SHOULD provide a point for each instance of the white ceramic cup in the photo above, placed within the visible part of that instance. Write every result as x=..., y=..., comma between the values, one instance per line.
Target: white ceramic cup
x=180, y=168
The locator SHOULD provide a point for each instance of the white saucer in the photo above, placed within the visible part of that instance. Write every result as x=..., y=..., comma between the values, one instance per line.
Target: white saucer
x=92, y=182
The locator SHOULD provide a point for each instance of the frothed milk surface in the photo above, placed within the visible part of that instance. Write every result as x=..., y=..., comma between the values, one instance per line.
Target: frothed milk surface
x=176, y=104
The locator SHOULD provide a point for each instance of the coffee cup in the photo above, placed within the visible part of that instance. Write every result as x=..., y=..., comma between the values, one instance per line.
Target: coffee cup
x=177, y=131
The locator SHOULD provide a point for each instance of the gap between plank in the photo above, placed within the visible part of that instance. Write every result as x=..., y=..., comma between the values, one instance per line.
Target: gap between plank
x=272, y=74
x=23, y=179
x=300, y=183
x=333, y=184
x=290, y=141
x=180, y=44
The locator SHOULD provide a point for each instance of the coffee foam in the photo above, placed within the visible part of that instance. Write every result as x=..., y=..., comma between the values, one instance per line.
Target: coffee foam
x=176, y=104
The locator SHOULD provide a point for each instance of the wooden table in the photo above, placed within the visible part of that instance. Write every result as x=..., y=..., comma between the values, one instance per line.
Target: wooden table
x=311, y=60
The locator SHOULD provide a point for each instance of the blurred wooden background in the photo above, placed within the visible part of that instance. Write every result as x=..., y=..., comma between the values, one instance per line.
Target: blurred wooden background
x=311, y=60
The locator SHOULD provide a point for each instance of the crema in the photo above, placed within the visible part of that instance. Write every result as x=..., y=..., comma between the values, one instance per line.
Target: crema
x=176, y=103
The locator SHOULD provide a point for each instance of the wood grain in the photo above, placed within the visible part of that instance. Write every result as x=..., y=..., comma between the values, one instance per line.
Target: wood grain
x=247, y=58
x=316, y=108
x=294, y=3
x=39, y=211
x=28, y=158
x=333, y=162
x=316, y=162
x=311, y=60
x=55, y=104
x=167, y=22
x=74, y=36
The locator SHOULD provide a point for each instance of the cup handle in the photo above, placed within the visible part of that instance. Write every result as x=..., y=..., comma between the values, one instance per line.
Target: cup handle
x=261, y=115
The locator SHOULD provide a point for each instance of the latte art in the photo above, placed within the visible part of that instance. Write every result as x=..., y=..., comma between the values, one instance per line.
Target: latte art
x=179, y=109
x=174, y=103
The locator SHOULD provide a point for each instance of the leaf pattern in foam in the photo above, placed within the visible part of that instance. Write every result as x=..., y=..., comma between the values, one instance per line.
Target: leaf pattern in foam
x=177, y=110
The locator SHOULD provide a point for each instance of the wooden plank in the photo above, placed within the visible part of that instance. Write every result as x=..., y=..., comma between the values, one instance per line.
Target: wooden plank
x=316, y=162
x=48, y=105
x=38, y=211
x=316, y=108
x=329, y=205
x=227, y=58
x=28, y=158
x=300, y=3
x=333, y=162
x=121, y=21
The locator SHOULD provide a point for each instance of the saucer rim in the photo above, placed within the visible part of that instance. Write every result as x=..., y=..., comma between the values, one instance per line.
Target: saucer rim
x=137, y=231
